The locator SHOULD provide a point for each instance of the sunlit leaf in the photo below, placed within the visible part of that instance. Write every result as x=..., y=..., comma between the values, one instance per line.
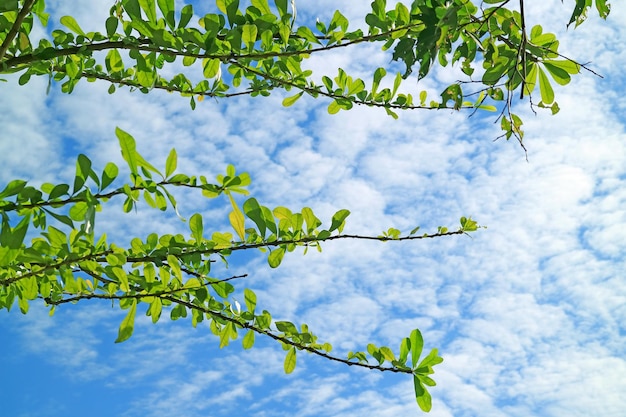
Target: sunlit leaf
x=128, y=324
x=70, y=23
x=290, y=360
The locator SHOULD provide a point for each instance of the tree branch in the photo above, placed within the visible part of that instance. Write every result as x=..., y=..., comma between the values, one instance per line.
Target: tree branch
x=237, y=246
x=28, y=4
x=237, y=322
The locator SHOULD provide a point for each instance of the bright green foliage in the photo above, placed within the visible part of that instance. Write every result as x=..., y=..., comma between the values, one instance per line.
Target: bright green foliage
x=243, y=51
x=261, y=47
x=68, y=262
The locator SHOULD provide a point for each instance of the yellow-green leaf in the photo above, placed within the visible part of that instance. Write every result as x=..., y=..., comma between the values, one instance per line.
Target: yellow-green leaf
x=170, y=163
x=288, y=101
x=547, y=93
x=248, y=340
x=128, y=324
x=70, y=23
x=290, y=361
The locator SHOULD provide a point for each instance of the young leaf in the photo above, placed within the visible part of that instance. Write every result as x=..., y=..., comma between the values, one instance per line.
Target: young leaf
x=290, y=361
x=128, y=324
x=417, y=343
x=288, y=101
x=248, y=340
x=387, y=353
x=547, y=93
x=195, y=224
x=236, y=219
x=128, y=146
x=248, y=35
x=167, y=8
x=250, y=299
x=424, y=400
x=275, y=257
x=170, y=163
x=262, y=5
x=149, y=9
x=431, y=359
x=253, y=210
x=405, y=347
x=338, y=220
x=12, y=188
x=108, y=175
x=83, y=168
x=70, y=23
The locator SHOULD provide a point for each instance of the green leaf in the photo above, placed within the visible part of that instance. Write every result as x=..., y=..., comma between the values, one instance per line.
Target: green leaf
x=424, y=400
x=547, y=93
x=129, y=152
x=250, y=299
x=237, y=220
x=8, y=6
x=78, y=211
x=70, y=23
x=262, y=5
x=195, y=224
x=210, y=67
x=288, y=101
x=167, y=8
x=432, y=359
x=417, y=343
x=108, y=175
x=155, y=309
x=12, y=188
x=290, y=361
x=312, y=222
x=186, y=13
x=307, y=34
x=387, y=353
x=338, y=220
x=603, y=8
x=286, y=327
x=128, y=324
x=248, y=35
x=275, y=257
x=83, y=168
x=378, y=76
x=248, y=340
x=405, y=347
x=170, y=163
x=334, y=107
x=113, y=61
x=468, y=225
x=254, y=211
x=149, y=9
x=58, y=191
x=111, y=25
x=229, y=8
x=175, y=266
x=14, y=237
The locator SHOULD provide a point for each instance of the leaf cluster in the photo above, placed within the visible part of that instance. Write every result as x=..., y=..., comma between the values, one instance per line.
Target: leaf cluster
x=259, y=48
x=68, y=262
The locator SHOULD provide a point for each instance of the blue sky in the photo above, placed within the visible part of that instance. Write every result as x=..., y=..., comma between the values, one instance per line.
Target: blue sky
x=528, y=314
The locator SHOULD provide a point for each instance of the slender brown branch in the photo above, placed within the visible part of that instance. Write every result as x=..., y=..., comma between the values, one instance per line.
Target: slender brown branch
x=236, y=246
x=169, y=89
x=99, y=196
x=28, y=4
x=237, y=322
x=316, y=91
